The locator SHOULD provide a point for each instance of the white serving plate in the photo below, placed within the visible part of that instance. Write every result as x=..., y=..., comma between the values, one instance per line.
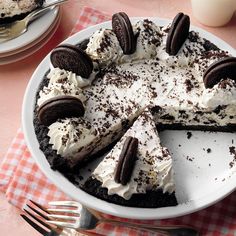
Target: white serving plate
x=36, y=29
x=199, y=183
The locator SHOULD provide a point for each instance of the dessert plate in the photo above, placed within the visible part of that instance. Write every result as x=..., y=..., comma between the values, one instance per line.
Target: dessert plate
x=36, y=29
x=204, y=164
x=32, y=47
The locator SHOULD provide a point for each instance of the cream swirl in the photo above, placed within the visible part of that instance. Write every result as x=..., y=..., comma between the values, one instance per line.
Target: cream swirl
x=187, y=54
x=223, y=93
x=148, y=39
x=104, y=47
x=62, y=82
x=69, y=136
x=153, y=167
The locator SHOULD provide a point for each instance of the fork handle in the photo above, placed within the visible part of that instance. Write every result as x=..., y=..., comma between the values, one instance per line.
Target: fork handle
x=176, y=230
x=38, y=12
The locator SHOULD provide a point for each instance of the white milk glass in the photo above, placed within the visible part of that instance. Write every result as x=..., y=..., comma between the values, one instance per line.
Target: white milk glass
x=213, y=12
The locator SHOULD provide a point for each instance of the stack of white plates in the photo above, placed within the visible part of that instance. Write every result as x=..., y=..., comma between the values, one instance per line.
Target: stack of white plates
x=38, y=34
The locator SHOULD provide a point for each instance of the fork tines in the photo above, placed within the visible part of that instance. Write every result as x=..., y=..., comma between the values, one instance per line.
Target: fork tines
x=37, y=219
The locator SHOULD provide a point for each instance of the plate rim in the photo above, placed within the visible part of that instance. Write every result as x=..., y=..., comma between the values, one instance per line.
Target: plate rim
x=86, y=199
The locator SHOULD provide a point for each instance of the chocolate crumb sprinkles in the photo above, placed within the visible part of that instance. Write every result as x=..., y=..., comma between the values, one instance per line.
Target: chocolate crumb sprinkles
x=208, y=150
x=189, y=135
x=232, y=151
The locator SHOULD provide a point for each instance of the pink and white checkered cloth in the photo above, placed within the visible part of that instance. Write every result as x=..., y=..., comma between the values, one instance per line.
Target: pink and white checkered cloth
x=21, y=179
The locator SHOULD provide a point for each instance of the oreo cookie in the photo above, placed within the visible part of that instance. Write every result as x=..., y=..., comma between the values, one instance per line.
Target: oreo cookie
x=72, y=58
x=126, y=161
x=123, y=29
x=222, y=69
x=178, y=33
x=60, y=107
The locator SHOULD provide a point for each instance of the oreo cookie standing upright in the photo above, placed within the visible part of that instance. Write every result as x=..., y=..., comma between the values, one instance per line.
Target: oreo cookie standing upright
x=178, y=33
x=72, y=58
x=126, y=161
x=123, y=29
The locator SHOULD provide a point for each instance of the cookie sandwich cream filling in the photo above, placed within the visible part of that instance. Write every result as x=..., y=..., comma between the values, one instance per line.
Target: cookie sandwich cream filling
x=153, y=166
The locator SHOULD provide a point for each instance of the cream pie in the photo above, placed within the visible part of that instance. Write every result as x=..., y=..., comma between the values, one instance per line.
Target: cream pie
x=151, y=174
x=125, y=79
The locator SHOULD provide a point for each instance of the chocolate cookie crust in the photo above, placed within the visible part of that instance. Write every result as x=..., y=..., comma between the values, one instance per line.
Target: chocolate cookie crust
x=152, y=199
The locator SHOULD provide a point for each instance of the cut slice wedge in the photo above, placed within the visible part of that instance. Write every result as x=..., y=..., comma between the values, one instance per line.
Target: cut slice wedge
x=151, y=183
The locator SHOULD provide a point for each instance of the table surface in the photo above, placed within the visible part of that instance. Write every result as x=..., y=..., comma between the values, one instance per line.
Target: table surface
x=14, y=77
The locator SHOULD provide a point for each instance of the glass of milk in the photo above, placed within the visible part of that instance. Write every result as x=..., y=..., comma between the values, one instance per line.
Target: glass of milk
x=213, y=12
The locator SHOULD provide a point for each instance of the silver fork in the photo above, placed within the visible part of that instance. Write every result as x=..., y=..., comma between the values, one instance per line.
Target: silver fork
x=37, y=219
x=72, y=214
x=17, y=28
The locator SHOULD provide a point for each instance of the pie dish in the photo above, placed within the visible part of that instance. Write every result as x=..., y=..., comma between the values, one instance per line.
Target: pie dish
x=189, y=206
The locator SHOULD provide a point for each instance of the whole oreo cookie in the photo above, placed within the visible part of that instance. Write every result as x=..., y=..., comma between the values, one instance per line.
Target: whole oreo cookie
x=59, y=107
x=123, y=29
x=126, y=161
x=72, y=58
x=178, y=33
x=222, y=69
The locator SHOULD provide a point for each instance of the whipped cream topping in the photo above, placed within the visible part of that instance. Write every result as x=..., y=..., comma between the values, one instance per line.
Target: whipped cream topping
x=153, y=167
x=104, y=47
x=148, y=39
x=223, y=93
x=69, y=136
x=62, y=82
x=186, y=56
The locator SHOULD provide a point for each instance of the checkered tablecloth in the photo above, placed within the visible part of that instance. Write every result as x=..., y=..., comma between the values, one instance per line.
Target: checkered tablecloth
x=21, y=179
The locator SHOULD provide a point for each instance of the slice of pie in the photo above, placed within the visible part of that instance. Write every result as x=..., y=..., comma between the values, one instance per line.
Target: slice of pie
x=11, y=10
x=151, y=182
